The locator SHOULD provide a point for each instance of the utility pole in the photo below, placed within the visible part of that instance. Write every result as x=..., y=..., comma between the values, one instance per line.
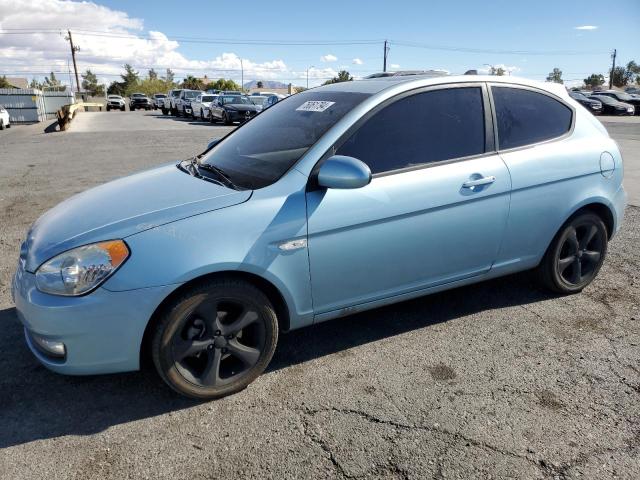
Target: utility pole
x=386, y=52
x=308, y=75
x=241, y=76
x=613, y=67
x=73, y=55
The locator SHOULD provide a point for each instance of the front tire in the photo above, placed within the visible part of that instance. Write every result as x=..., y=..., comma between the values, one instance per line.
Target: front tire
x=215, y=339
x=575, y=255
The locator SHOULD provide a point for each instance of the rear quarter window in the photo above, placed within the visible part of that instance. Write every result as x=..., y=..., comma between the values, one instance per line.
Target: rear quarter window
x=526, y=117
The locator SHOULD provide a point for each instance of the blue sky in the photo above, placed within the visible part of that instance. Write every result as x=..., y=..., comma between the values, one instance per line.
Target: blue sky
x=454, y=36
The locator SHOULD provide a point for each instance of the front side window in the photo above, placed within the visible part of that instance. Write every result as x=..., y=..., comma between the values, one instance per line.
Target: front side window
x=262, y=150
x=526, y=117
x=419, y=129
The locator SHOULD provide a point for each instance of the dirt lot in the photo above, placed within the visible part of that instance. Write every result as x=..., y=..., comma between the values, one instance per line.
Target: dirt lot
x=497, y=380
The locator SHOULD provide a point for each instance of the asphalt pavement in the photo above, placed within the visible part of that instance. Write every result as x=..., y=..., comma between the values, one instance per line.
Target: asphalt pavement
x=495, y=380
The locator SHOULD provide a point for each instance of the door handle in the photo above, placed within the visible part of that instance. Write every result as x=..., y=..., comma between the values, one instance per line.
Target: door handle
x=478, y=181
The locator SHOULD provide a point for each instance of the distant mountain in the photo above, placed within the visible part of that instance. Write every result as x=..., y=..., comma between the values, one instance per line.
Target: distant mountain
x=266, y=84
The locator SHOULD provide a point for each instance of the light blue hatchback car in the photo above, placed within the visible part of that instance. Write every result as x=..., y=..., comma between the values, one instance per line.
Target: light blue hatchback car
x=333, y=201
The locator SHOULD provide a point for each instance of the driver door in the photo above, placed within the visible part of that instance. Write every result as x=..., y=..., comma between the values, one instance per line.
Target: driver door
x=434, y=212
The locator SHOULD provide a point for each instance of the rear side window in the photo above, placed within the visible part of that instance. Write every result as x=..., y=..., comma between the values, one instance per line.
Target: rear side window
x=419, y=129
x=526, y=117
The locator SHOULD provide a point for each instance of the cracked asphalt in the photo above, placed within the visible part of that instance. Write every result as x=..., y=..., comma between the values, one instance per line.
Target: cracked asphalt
x=495, y=380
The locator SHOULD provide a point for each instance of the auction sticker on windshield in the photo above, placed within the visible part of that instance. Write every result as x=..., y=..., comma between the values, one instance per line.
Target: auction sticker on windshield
x=315, y=106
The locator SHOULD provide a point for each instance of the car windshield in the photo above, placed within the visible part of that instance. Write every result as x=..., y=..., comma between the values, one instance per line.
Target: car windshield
x=208, y=98
x=261, y=151
x=160, y=95
x=236, y=99
x=138, y=95
x=114, y=97
x=258, y=100
x=191, y=94
x=175, y=93
x=605, y=99
x=623, y=96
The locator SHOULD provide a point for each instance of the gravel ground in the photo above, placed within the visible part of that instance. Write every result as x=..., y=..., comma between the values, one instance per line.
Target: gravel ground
x=496, y=380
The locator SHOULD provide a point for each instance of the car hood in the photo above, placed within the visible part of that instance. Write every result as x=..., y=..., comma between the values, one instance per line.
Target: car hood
x=122, y=208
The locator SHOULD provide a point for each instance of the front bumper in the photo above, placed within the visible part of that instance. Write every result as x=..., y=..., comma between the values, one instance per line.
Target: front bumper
x=102, y=332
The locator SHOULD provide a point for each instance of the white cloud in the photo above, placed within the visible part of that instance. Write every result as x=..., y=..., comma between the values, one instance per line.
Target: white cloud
x=586, y=27
x=484, y=70
x=357, y=61
x=394, y=65
x=328, y=58
x=123, y=41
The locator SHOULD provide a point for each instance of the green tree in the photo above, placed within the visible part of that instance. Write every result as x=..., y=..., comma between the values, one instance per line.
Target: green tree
x=555, y=76
x=633, y=72
x=52, y=83
x=620, y=77
x=116, y=88
x=260, y=84
x=499, y=71
x=594, y=80
x=169, y=76
x=4, y=83
x=130, y=77
x=90, y=84
x=192, y=83
x=343, y=76
x=222, y=84
x=35, y=84
x=153, y=75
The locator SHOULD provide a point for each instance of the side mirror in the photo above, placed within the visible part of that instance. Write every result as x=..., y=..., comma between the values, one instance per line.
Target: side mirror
x=213, y=142
x=340, y=171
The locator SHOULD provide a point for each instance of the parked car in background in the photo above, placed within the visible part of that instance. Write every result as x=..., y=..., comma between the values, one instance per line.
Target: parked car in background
x=200, y=105
x=623, y=97
x=632, y=90
x=232, y=108
x=170, y=102
x=264, y=101
x=115, y=102
x=158, y=100
x=183, y=102
x=258, y=101
x=140, y=100
x=343, y=198
x=593, y=105
x=230, y=92
x=611, y=106
x=4, y=118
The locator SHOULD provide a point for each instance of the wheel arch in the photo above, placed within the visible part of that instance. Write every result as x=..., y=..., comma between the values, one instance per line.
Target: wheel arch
x=600, y=208
x=274, y=295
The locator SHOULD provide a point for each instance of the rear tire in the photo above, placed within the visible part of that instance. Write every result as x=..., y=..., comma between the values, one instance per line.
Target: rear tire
x=165, y=111
x=108, y=108
x=575, y=255
x=215, y=339
x=1, y=124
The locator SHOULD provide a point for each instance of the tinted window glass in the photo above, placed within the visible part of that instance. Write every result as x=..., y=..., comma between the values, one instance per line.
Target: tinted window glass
x=262, y=150
x=526, y=117
x=422, y=128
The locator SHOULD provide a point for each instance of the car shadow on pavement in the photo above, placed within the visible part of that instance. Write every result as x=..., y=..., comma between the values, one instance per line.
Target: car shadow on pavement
x=38, y=404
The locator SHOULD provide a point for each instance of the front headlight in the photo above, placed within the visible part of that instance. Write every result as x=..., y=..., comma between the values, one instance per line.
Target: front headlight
x=81, y=269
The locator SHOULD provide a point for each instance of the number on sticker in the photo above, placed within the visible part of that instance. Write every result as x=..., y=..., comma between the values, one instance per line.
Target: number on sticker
x=315, y=106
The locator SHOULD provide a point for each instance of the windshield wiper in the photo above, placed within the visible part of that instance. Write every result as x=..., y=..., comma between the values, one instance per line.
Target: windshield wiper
x=218, y=171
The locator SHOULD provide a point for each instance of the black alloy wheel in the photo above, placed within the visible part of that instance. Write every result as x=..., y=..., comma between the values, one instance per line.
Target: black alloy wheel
x=576, y=254
x=215, y=339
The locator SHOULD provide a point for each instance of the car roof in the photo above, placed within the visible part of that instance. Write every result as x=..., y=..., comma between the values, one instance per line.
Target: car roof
x=401, y=83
